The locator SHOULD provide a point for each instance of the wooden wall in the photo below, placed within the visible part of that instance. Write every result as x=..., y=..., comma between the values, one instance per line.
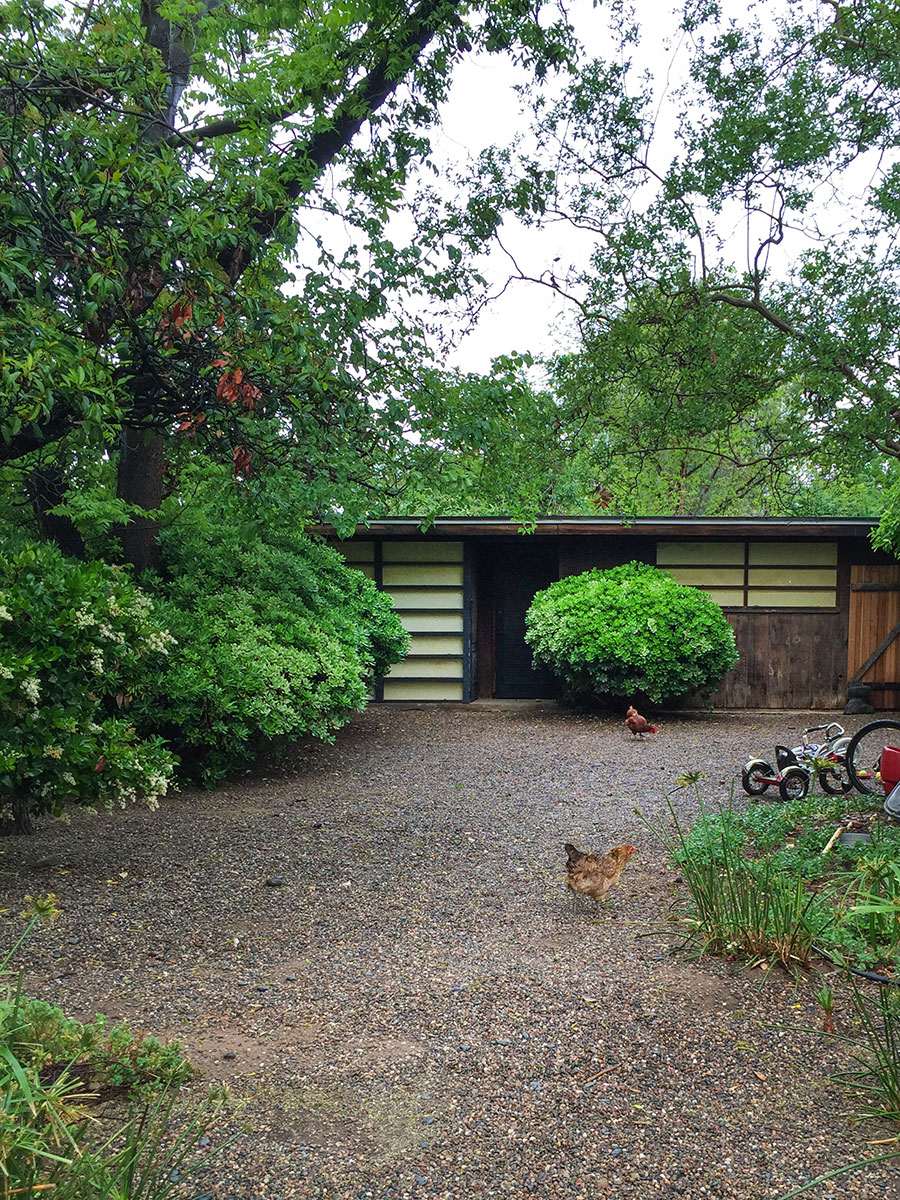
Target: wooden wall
x=788, y=659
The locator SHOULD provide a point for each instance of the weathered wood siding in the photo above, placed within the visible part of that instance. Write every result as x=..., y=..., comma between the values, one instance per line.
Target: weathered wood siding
x=788, y=659
x=874, y=612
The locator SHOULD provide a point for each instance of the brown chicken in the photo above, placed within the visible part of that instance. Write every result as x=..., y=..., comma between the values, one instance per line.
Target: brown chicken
x=588, y=875
x=638, y=724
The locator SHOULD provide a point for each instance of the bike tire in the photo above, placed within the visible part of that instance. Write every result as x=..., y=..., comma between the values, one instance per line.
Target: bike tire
x=835, y=782
x=794, y=784
x=863, y=756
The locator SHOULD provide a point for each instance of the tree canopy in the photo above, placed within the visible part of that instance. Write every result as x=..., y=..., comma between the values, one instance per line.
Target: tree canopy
x=196, y=201
x=741, y=228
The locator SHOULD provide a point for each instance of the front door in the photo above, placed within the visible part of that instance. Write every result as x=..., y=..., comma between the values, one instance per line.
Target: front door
x=518, y=571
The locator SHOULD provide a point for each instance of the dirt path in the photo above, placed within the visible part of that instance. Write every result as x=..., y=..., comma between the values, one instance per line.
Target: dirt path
x=377, y=932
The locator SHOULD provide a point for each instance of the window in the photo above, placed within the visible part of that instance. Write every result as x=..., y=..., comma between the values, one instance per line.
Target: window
x=756, y=574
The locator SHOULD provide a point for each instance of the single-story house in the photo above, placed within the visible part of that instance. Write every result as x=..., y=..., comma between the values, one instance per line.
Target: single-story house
x=813, y=607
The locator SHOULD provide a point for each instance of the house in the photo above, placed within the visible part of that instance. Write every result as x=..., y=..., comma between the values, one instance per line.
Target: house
x=812, y=605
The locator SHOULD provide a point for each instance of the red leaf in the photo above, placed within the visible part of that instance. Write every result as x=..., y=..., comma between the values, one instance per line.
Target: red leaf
x=101, y=763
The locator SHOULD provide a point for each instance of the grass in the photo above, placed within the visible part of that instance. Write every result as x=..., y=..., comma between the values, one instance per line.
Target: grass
x=49, y=1141
x=761, y=886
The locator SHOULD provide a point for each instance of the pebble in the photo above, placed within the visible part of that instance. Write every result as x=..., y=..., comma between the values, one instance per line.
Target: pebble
x=455, y=986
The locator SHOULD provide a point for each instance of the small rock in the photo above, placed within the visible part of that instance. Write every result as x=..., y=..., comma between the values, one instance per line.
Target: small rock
x=229, y=1054
x=275, y=881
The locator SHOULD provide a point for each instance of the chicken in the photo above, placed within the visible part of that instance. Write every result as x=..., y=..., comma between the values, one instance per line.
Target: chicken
x=638, y=724
x=588, y=875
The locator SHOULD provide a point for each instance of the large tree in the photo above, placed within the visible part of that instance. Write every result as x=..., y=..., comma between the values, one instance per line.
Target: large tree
x=195, y=202
x=742, y=222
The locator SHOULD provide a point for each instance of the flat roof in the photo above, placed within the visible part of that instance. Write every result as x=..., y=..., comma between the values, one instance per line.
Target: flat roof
x=805, y=527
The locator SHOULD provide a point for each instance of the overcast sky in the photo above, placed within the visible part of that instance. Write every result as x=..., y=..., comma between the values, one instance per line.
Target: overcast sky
x=484, y=110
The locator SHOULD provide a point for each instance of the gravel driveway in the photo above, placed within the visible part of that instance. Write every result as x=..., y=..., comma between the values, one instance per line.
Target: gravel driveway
x=377, y=936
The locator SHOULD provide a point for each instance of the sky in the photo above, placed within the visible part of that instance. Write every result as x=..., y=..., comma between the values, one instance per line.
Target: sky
x=484, y=110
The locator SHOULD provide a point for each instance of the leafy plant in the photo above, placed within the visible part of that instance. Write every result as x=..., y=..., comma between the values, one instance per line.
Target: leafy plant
x=48, y=1138
x=739, y=907
x=630, y=632
x=75, y=638
x=277, y=639
x=752, y=873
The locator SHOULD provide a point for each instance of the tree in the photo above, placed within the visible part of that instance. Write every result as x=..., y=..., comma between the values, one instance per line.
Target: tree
x=158, y=274
x=756, y=230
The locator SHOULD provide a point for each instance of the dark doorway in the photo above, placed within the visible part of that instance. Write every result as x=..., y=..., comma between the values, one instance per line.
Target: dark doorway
x=511, y=574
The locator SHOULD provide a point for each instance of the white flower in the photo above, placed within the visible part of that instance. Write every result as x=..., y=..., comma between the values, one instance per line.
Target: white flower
x=96, y=658
x=105, y=631
x=83, y=618
x=5, y=614
x=52, y=752
x=68, y=778
x=6, y=673
x=31, y=689
x=160, y=641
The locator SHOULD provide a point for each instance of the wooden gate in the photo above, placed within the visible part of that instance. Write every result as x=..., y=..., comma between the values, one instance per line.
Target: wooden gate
x=873, y=647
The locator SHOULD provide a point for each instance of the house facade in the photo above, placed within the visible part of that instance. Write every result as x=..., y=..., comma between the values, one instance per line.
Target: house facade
x=809, y=600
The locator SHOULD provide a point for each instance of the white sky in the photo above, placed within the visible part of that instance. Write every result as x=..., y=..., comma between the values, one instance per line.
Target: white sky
x=484, y=110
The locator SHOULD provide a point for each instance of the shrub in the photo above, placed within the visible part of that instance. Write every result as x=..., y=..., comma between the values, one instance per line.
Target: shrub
x=53, y=1069
x=277, y=639
x=630, y=632
x=74, y=638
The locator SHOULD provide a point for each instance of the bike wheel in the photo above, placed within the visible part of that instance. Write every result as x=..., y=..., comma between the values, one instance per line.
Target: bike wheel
x=755, y=777
x=836, y=780
x=794, y=784
x=863, y=757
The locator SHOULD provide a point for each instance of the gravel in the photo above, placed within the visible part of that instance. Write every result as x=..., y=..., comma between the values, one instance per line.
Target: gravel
x=371, y=944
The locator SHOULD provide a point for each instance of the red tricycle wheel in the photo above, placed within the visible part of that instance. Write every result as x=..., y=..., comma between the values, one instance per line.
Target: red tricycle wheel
x=757, y=776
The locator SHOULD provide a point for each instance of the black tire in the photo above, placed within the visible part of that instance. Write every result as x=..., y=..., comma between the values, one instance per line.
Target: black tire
x=836, y=781
x=863, y=755
x=753, y=775
x=794, y=784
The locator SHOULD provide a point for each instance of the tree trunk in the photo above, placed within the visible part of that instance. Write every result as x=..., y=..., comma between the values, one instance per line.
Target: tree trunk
x=141, y=463
x=19, y=822
x=46, y=489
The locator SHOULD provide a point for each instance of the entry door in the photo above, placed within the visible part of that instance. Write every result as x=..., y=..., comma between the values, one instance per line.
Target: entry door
x=519, y=571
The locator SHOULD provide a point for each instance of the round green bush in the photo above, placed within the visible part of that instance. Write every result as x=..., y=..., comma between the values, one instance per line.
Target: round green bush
x=628, y=633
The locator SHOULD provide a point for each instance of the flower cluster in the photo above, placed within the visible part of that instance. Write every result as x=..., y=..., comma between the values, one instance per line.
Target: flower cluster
x=72, y=648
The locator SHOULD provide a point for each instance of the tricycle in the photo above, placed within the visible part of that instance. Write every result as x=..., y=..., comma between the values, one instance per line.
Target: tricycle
x=794, y=767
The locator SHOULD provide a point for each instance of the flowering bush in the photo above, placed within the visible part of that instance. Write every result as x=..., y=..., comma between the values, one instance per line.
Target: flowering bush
x=628, y=633
x=277, y=638
x=73, y=638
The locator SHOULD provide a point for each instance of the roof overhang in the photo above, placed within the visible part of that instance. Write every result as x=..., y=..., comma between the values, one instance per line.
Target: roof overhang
x=682, y=527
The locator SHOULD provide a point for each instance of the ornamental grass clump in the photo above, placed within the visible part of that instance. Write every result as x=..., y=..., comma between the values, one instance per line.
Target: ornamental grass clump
x=76, y=639
x=631, y=632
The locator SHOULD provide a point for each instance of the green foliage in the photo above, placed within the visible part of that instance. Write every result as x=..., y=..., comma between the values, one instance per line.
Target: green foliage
x=630, y=632
x=277, y=639
x=53, y=1068
x=770, y=854
x=152, y=272
x=74, y=640
x=40, y=1035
